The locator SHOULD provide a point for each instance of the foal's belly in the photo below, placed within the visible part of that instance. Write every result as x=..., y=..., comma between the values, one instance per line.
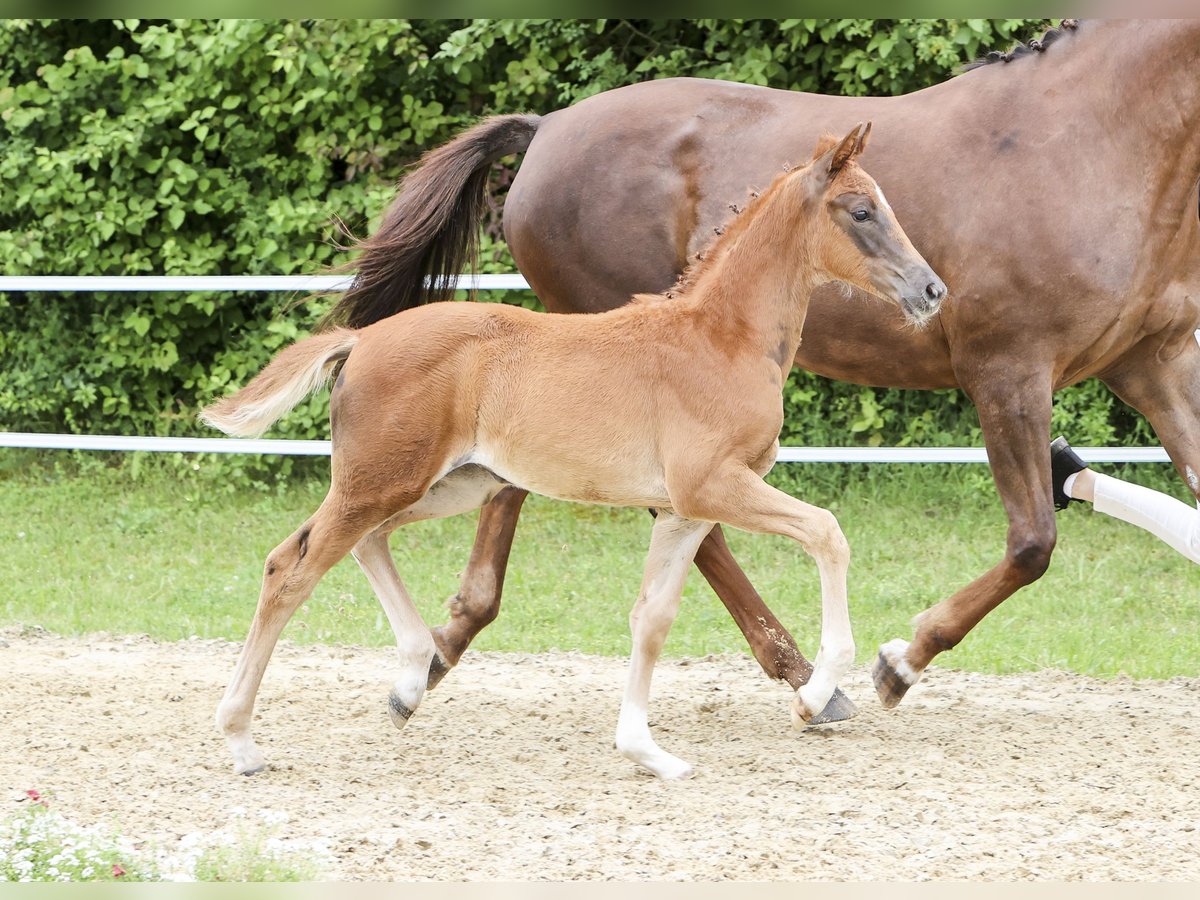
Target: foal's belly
x=603, y=474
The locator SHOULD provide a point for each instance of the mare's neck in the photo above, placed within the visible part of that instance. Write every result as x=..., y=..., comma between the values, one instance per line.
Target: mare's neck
x=1144, y=103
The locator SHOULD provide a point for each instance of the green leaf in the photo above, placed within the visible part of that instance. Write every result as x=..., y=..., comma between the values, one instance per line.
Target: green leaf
x=226, y=146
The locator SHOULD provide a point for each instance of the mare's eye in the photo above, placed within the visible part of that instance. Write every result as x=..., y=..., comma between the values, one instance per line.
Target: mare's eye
x=860, y=215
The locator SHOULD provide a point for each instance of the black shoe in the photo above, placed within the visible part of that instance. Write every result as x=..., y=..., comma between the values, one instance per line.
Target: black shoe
x=1063, y=462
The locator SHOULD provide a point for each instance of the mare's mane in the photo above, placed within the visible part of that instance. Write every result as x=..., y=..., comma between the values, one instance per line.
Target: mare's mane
x=1034, y=46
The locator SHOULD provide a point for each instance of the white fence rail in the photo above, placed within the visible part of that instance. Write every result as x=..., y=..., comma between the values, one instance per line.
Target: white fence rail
x=84, y=284
x=54, y=284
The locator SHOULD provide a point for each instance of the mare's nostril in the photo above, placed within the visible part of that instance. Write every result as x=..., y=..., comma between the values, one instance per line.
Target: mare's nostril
x=935, y=291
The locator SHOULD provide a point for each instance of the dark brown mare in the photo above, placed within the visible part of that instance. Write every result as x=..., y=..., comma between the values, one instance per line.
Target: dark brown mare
x=1056, y=195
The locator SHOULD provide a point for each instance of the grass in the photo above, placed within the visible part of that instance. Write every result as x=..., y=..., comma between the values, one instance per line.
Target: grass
x=180, y=555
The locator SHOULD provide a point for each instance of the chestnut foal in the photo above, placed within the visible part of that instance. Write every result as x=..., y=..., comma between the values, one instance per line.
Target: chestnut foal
x=672, y=402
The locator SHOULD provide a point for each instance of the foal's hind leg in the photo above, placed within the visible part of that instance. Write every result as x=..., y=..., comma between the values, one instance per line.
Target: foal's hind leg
x=291, y=572
x=462, y=490
x=414, y=643
x=673, y=543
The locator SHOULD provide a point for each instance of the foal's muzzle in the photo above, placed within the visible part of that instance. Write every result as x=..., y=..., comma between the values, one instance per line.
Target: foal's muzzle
x=923, y=300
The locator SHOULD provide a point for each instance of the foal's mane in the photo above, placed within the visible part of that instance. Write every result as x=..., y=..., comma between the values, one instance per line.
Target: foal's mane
x=1034, y=46
x=727, y=233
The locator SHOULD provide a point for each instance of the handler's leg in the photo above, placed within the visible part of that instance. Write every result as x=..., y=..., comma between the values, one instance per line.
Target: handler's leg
x=1175, y=524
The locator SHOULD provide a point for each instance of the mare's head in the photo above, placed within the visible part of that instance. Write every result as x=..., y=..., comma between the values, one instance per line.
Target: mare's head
x=859, y=241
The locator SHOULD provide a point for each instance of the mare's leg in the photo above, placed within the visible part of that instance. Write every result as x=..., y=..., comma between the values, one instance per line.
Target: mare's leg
x=291, y=572
x=1163, y=384
x=1014, y=410
x=772, y=644
x=739, y=497
x=477, y=602
x=673, y=544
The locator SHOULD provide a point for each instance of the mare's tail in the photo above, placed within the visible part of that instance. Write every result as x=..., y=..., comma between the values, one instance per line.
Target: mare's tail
x=292, y=375
x=431, y=229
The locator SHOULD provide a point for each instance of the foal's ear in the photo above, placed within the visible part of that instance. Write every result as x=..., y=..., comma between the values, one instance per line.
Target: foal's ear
x=862, y=140
x=851, y=145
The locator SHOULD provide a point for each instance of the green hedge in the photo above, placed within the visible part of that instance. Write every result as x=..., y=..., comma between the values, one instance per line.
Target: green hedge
x=231, y=147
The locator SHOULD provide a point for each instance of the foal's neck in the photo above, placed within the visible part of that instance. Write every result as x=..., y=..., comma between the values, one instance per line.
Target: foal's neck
x=755, y=296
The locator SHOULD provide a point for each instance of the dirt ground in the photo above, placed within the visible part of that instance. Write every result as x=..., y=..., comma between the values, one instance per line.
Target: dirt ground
x=508, y=769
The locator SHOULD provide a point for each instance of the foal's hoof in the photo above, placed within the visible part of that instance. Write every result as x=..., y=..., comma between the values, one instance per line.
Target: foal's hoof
x=838, y=709
x=676, y=772
x=247, y=758
x=892, y=673
x=399, y=711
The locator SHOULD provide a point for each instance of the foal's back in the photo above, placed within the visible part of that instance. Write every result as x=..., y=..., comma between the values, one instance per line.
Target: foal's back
x=585, y=408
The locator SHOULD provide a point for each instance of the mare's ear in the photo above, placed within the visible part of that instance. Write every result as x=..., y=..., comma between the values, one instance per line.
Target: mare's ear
x=851, y=145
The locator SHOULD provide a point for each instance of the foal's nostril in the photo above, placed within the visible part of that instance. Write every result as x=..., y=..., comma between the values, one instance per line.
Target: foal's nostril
x=935, y=291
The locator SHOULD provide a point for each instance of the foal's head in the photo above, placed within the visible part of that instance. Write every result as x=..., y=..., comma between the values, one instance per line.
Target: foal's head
x=859, y=240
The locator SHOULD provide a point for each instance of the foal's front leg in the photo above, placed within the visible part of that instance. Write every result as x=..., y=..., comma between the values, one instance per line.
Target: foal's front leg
x=673, y=544
x=773, y=646
x=477, y=603
x=737, y=496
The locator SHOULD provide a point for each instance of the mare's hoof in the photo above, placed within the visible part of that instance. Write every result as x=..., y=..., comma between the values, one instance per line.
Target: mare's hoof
x=438, y=668
x=838, y=709
x=892, y=674
x=254, y=771
x=399, y=711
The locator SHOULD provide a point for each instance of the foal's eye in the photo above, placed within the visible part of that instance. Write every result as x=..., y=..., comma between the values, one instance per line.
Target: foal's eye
x=860, y=215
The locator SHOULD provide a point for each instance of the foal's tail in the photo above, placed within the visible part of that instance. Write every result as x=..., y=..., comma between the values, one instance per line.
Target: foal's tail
x=291, y=376
x=431, y=229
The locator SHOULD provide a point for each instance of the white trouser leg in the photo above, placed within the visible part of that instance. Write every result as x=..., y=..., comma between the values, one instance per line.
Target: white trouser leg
x=1171, y=521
